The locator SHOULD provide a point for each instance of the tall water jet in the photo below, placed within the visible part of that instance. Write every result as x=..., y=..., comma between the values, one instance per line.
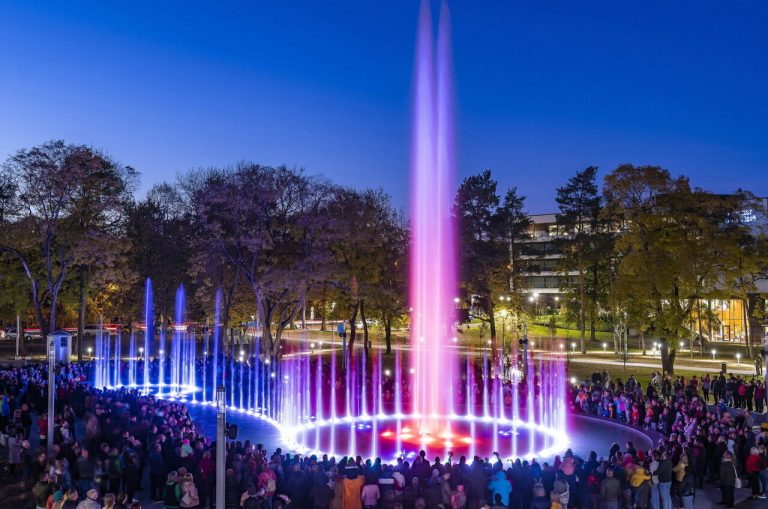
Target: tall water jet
x=132, y=359
x=177, y=338
x=149, y=330
x=433, y=251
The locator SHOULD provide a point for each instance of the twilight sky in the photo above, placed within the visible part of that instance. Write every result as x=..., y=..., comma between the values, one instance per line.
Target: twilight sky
x=543, y=88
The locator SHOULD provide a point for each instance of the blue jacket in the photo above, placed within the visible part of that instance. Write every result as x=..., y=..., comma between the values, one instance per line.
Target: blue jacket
x=500, y=485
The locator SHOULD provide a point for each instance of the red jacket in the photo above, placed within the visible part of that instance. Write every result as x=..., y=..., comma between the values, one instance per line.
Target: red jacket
x=754, y=463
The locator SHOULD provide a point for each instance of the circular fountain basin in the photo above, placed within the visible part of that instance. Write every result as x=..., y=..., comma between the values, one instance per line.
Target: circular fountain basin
x=584, y=434
x=390, y=437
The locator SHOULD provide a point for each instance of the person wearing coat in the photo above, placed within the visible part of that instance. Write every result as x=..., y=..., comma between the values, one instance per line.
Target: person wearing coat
x=727, y=480
x=189, y=495
x=500, y=485
x=14, y=452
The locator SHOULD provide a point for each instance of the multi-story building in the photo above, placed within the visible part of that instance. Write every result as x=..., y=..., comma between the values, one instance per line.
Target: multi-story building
x=545, y=280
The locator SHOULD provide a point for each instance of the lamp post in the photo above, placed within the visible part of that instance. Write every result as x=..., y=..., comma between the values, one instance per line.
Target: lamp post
x=18, y=334
x=51, y=390
x=605, y=345
x=221, y=425
x=713, y=353
x=738, y=358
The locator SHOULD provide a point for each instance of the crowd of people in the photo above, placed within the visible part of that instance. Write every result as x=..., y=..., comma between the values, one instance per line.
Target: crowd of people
x=712, y=441
x=109, y=446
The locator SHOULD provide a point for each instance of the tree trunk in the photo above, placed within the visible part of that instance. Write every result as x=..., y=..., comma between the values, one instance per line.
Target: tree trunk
x=322, y=315
x=365, y=326
x=667, y=357
x=747, y=329
x=52, y=320
x=582, y=317
x=352, y=327
x=388, y=334
x=266, y=327
x=492, y=326
x=642, y=340
x=81, y=316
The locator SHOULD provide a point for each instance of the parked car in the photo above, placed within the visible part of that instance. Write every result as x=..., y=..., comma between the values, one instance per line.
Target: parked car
x=29, y=334
x=91, y=329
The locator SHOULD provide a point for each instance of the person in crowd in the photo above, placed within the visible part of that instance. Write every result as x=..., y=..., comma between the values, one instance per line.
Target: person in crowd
x=172, y=491
x=610, y=490
x=728, y=480
x=90, y=501
x=370, y=494
x=126, y=433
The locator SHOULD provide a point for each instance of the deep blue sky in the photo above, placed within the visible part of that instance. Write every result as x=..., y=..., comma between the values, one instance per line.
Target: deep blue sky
x=543, y=88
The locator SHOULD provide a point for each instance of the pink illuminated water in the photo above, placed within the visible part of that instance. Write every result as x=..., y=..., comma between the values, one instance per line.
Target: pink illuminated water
x=433, y=249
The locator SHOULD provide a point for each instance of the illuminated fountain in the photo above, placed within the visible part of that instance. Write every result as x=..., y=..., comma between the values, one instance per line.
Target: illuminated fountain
x=440, y=398
x=435, y=395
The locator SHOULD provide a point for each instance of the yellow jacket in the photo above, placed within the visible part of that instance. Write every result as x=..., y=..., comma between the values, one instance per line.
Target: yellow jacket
x=638, y=476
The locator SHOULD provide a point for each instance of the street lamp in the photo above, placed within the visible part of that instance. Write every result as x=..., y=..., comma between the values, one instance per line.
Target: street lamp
x=605, y=345
x=713, y=353
x=89, y=352
x=573, y=347
x=738, y=358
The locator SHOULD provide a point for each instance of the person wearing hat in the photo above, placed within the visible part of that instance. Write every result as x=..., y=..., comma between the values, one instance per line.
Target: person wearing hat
x=172, y=491
x=90, y=501
x=351, y=486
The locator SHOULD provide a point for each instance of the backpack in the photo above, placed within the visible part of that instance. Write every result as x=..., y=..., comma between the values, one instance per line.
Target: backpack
x=271, y=485
x=172, y=496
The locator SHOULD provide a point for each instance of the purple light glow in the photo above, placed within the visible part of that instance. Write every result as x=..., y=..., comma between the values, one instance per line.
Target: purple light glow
x=433, y=251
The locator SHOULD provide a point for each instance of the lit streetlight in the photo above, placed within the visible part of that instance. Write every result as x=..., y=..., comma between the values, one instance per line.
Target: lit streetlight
x=713, y=353
x=738, y=358
x=605, y=345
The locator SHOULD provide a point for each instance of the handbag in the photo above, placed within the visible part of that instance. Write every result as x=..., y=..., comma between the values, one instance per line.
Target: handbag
x=737, y=484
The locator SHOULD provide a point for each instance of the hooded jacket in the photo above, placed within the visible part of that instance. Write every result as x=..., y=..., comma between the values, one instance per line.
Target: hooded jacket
x=500, y=485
